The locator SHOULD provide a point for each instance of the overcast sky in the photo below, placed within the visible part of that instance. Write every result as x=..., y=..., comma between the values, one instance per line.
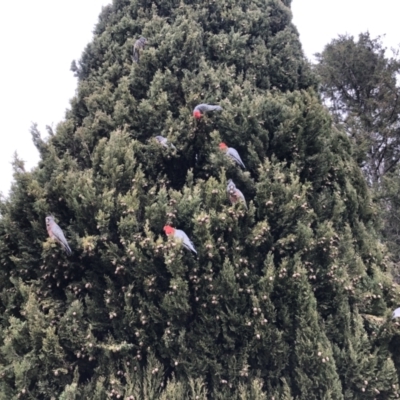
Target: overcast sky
x=40, y=38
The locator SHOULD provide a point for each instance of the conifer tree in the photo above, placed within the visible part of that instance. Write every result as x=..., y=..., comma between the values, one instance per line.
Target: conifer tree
x=273, y=305
x=359, y=84
x=358, y=78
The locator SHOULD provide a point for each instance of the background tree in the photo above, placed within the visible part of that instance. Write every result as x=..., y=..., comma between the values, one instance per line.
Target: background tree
x=358, y=81
x=359, y=85
x=288, y=299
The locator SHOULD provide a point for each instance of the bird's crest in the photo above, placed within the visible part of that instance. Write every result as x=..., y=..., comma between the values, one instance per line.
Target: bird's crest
x=197, y=114
x=169, y=229
x=223, y=146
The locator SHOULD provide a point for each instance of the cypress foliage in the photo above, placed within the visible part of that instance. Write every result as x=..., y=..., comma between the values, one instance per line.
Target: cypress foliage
x=288, y=299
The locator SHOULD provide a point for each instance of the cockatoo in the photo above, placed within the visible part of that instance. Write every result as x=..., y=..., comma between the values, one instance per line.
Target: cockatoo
x=57, y=234
x=234, y=193
x=164, y=142
x=138, y=47
x=232, y=153
x=396, y=313
x=200, y=109
x=177, y=233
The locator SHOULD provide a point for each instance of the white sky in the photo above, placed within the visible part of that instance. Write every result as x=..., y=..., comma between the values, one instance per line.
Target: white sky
x=320, y=21
x=40, y=38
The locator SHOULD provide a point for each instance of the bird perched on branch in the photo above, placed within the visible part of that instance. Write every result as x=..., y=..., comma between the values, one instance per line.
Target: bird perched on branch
x=56, y=233
x=177, y=233
x=396, y=313
x=232, y=153
x=200, y=109
x=164, y=141
x=137, y=48
x=234, y=193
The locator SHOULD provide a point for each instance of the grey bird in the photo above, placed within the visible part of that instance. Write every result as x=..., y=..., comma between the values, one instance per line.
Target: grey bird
x=178, y=234
x=137, y=48
x=232, y=153
x=56, y=233
x=200, y=109
x=234, y=193
x=164, y=141
x=396, y=313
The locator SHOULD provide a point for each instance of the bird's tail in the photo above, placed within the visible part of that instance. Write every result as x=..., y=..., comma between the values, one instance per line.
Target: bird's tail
x=67, y=249
x=135, y=56
x=194, y=251
x=190, y=247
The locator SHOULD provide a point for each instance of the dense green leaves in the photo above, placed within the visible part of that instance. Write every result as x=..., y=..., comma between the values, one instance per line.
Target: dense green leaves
x=272, y=306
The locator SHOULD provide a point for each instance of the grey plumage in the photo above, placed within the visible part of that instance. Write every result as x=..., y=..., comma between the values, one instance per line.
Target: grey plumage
x=138, y=47
x=207, y=107
x=234, y=193
x=200, y=109
x=396, y=313
x=235, y=156
x=56, y=233
x=185, y=239
x=230, y=186
x=164, y=141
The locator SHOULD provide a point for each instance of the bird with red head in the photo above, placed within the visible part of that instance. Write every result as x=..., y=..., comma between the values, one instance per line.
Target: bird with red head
x=200, y=109
x=178, y=234
x=197, y=114
x=168, y=229
x=232, y=153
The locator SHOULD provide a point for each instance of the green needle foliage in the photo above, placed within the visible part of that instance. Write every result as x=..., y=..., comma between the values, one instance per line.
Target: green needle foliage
x=288, y=299
x=359, y=84
x=359, y=81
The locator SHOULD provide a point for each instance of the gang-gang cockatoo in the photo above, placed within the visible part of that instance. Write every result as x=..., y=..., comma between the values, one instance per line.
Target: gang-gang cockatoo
x=57, y=234
x=200, y=109
x=232, y=153
x=177, y=233
x=234, y=193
